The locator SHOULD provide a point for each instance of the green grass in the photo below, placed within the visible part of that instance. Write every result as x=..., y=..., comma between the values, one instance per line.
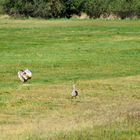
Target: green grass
x=101, y=57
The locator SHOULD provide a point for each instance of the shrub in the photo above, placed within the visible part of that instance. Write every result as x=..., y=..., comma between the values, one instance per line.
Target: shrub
x=34, y=8
x=66, y=8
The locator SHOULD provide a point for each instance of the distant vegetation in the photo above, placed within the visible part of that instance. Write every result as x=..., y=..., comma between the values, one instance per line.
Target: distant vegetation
x=67, y=8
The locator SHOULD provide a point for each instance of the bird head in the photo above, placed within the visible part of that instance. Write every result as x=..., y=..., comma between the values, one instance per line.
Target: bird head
x=73, y=87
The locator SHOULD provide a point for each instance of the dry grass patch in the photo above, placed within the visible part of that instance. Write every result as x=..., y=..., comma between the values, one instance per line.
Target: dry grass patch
x=46, y=109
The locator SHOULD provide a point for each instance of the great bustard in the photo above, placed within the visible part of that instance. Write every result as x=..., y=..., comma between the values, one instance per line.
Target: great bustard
x=74, y=92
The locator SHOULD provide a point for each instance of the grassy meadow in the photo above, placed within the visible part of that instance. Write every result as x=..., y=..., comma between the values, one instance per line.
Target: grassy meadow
x=102, y=58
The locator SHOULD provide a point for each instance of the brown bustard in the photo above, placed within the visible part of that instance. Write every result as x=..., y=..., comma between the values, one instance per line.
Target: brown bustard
x=74, y=92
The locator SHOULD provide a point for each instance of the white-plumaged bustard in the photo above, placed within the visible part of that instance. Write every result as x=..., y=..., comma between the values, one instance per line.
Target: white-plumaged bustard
x=74, y=92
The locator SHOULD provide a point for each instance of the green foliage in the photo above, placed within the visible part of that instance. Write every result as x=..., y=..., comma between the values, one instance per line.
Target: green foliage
x=34, y=8
x=125, y=8
x=95, y=8
x=1, y=6
x=66, y=8
x=73, y=7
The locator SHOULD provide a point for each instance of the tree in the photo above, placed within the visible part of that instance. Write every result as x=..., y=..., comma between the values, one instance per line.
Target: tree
x=95, y=8
x=125, y=8
x=72, y=7
x=66, y=8
x=34, y=8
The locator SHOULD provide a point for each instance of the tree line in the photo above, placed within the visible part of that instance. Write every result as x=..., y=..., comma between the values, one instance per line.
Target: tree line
x=67, y=8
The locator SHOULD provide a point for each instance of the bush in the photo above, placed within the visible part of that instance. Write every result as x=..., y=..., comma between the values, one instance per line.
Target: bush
x=125, y=8
x=1, y=6
x=66, y=8
x=71, y=7
x=34, y=8
x=95, y=8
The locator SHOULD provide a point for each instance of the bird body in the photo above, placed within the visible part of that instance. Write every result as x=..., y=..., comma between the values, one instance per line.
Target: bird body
x=74, y=92
x=24, y=75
